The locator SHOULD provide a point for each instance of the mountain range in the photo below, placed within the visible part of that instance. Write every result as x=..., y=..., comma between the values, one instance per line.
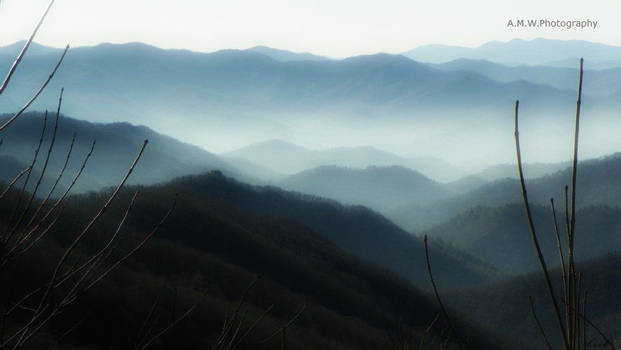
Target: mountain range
x=556, y=53
x=286, y=56
x=267, y=228
x=288, y=158
x=476, y=216
x=352, y=227
x=225, y=227
x=227, y=99
x=597, y=181
x=599, y=83
x=116, y=147
x=501, y=236
x=380, y=188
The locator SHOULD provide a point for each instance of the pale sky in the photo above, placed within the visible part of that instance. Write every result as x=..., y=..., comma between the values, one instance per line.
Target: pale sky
x=336, y=28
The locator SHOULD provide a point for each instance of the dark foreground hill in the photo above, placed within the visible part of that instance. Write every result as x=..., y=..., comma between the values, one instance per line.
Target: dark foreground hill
x=216, y=240
x=356, y=229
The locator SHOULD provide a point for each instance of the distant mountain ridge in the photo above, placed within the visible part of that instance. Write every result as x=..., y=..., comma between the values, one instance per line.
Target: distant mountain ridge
x=602, y=82
x=35, y=49
x=501, y=235
x=525, y=52
x=599, y=183
x=116, y=146
x=286, y=56
x=289, y=158
x=379, y=188
x=243, y=94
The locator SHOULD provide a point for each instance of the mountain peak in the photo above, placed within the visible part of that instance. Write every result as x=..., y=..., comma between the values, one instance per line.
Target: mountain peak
x=285, y=55
x=35, y=49
x=538, y=51
x=272, y=144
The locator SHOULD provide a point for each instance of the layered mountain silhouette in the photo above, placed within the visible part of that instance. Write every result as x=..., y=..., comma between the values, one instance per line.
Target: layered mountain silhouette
x=204, y=97
x=501, y=235
x=564, y=53
x=117, y=145
x=288, y=158
x=335, y=229
x=286, y=56
x=356, y=229
x=599, y=83
x=219, y=237
x=598, y=184
x=380, y=188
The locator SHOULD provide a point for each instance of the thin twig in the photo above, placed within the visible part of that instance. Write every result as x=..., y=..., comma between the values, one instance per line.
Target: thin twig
x=437, y=295
x=238, y=340
x=36, y=95
x=543, y=334
x=171, y=325
x=73, y=182
x=22, y=53
x=286, y=325
x=572, y=223
x=137, y=247
x=45, y=164
x=534, y=233
x=7, y=234
x=94, y=220
x=15, y=179
x=96, y=258
x=75, y=242
x=51, y=191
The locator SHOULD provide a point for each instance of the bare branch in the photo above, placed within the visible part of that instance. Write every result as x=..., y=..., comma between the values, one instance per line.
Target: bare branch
x=96, y=258
x=7, y=234
x=73, y=182
x=236, y=340
x=543, y=334
x=286, y=325
x=36, y=95
x=171, y=325
x=45, y=164
x=81, y=235
x=15, y=179
x=534, y=233
x=19, y=58
x=136, y=248
x=447, y=319
x=228, y=321
x=58, y=202
x=51, y=191
x=574, y=173
x=560, y=249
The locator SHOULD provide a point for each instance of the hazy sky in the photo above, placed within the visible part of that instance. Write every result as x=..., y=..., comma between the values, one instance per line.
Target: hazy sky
x=335, y=28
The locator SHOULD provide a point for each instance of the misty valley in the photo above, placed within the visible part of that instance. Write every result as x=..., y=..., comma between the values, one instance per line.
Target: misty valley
x=268, y=199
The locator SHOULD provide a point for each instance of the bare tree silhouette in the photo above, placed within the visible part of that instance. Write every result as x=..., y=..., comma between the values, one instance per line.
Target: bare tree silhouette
x=573, y=321
x=26, y=227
